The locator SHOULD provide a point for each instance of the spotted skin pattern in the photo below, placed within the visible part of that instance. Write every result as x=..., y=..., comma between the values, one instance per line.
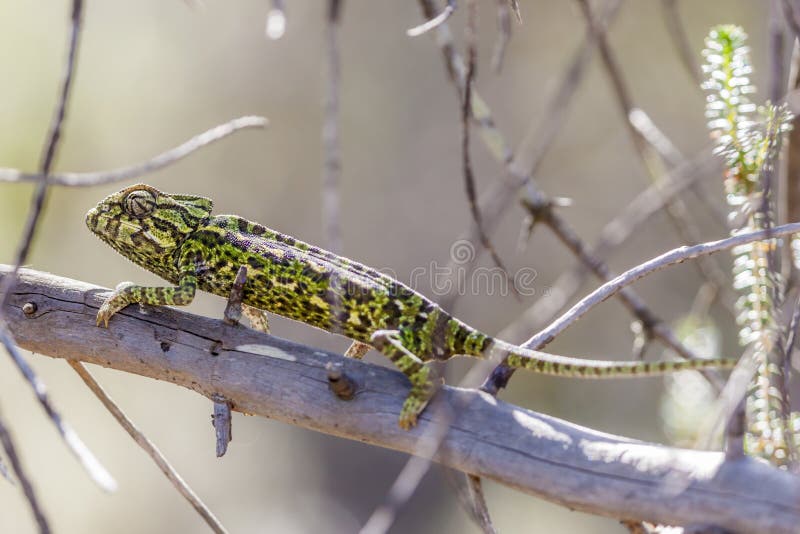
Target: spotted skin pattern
x=177, y=238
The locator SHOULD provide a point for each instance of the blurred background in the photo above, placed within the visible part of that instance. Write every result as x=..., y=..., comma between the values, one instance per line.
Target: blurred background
x=151, y=74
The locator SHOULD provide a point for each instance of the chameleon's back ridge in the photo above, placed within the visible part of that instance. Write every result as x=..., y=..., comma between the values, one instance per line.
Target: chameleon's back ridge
x=177, y=238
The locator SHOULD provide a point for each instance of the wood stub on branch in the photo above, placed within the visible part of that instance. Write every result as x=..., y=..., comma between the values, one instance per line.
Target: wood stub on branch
x=271, y=377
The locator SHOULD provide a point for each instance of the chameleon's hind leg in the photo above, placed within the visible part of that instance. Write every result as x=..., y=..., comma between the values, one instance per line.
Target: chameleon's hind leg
x=357, y=350
x=257, y=317
x=422, y=386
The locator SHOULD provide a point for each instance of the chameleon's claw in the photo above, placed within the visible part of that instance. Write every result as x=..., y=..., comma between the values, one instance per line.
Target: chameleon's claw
x=407, y=421
x=114, y=303
x=412, y=408
x=104, y=314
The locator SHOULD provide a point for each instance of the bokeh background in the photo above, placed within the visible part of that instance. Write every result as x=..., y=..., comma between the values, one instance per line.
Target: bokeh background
x=152, y=74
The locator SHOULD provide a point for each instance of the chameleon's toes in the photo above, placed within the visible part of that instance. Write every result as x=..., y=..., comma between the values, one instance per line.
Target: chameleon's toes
x=106, y=311
x=412, y=408
x=102, y=318
x=407, y=421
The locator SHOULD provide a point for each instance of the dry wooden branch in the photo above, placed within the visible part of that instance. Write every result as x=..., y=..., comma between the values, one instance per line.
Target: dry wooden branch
x=271, y=377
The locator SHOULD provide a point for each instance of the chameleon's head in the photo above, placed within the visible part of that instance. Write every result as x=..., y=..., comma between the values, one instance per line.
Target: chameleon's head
x=146, y=225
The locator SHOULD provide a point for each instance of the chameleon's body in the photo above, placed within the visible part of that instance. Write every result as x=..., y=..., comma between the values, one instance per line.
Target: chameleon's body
x=176, y=237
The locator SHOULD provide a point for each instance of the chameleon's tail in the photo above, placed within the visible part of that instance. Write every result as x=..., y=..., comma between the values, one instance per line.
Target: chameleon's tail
x=552, y=364
x=473, y=343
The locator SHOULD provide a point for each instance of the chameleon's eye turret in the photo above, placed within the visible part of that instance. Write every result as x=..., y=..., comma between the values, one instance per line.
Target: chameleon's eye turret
x=139, y=203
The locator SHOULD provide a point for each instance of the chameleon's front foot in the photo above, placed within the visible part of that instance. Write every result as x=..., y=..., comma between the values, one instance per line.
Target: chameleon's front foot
x=412, y=408
x=120, y=297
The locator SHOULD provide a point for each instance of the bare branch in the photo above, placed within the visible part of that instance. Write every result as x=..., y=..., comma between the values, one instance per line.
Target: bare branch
x=480, y=509
x=148, y=447
x=503, y=35
x=677, y=32
x=777, y=45
x=675, y=256
x=502, y=374
x=791, y=16
x=614, y=233
x=434, y=22
x=541, y=455
x=466, y=158
x=88, y=179
x=96, y=471
x=88, y=460
x=517, y=176
x=653, y=159
x=49, y=151
x=27, y=488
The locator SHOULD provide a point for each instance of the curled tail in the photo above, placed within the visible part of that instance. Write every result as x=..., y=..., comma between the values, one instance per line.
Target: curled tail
x=468, y=341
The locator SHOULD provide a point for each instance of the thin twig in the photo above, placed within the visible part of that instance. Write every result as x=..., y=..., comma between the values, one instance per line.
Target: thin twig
x=95, y=469
x=674, y=158
x=332, y=160
x=727, y=411
x=468, y=490
x=480, y=509
x=515, y=178
x=777, y=44
x=433, y=22
x=457, y=71
x=494, y=202
x=648, y=152
x=409, y=478
x=614, y=233
x=567, y=235
x=19, y=471
x=672, y=257
x=516, y=10
x=466, y=113
x=477, y=504
x=88, y=179
x=148, y=447
x=791, y=339
x=412, y=474
x=677, y=32
x=503, y=35
x=48, y=154
x=791, y=197
x=791, y=16
x=676, y=208
x=5, y=473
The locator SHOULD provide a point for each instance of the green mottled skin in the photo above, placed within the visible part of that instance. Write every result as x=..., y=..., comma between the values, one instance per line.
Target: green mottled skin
x=177, y=238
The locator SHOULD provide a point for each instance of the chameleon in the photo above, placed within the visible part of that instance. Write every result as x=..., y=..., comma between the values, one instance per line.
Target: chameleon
x=176, y=237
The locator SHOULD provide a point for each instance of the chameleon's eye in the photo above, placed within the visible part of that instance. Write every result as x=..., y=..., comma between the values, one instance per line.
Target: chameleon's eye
x=140, y=203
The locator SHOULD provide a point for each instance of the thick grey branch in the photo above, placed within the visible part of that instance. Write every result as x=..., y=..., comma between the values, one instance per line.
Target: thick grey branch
x=271, y=377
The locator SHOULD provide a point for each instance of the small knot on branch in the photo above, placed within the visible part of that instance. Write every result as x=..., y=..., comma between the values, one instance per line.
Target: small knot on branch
x=340, y=383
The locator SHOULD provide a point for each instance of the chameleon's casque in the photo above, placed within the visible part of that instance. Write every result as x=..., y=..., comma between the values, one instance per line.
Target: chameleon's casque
x=177, y=238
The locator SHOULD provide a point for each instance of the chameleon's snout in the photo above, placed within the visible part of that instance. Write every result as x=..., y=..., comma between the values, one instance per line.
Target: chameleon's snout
x=91, y=218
